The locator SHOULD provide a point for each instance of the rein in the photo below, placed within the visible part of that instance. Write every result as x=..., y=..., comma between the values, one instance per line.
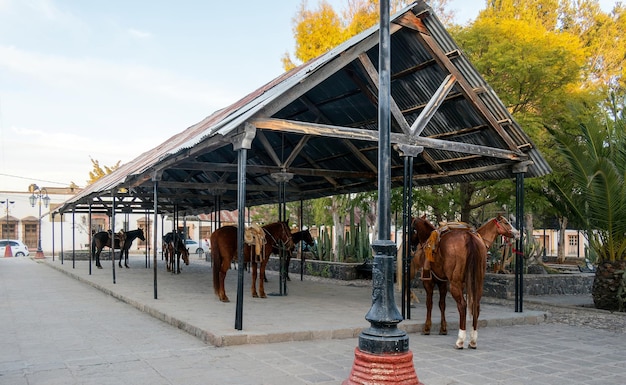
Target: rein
x=278, y=243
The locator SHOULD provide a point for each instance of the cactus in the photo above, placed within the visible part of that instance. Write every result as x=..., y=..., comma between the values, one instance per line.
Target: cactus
x=356, y=247
x=324, y=246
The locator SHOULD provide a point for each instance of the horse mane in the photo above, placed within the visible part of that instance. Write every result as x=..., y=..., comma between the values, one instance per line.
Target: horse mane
x=423, y=228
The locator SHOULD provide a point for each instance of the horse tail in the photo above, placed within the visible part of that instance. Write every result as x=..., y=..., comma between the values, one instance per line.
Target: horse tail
x=216, y=261
x=475, y=272
x=93, y=245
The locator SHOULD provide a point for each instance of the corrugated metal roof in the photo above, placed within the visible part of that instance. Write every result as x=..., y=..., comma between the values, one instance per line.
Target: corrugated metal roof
x=319, y=122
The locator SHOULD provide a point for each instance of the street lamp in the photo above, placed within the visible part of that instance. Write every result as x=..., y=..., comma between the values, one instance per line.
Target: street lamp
x=40, y=194
x=7, y=251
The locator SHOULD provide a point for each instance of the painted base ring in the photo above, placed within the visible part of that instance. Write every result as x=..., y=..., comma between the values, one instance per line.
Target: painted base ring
x=386, y=369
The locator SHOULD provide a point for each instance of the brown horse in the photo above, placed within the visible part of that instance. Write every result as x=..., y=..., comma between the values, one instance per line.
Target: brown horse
x=102, y=239
x=174, y=246
x=460, y=259
x=224, y=250
x=298, y=236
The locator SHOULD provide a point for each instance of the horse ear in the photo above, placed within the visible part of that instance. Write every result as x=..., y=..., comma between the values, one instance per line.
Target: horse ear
x=423, y=216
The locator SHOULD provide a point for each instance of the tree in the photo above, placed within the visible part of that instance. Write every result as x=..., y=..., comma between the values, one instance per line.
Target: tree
x=539, y=71
x=98, y=172
x=318, y=31
x=595, y=196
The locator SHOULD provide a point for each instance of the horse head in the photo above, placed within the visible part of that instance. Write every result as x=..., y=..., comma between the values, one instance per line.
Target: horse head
x=141, y=236
x=307, y=238
x=421, y=229
x=184, y=252
x=505, y=228
x=285, y=235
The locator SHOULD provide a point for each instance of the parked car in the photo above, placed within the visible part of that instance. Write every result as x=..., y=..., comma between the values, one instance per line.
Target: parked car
x=193, y=246
x=17, y=247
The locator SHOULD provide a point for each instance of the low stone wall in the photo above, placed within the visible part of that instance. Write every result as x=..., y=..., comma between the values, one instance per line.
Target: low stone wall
x=503, y=285
x=335, y=270
x=495, y=286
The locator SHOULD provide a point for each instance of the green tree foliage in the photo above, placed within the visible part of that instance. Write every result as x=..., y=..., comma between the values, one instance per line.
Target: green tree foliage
x=98, y=171
x=538, y=55
x=594, y=195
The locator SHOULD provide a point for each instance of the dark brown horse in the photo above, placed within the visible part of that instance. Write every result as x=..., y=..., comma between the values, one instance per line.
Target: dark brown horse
x=125, y=238
x=174, y=246
x=459, y=258
x=224, y=250
x=299, y=236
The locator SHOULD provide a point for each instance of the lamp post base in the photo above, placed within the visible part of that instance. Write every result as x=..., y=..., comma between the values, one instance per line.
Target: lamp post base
x=39, y=255
x=382, y=369
x=8, y=253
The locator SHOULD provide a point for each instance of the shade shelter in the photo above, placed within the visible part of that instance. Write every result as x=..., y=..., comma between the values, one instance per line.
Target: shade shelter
x=313, y=132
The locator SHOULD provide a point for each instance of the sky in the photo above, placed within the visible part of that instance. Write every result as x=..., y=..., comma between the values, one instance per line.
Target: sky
x=109, y=80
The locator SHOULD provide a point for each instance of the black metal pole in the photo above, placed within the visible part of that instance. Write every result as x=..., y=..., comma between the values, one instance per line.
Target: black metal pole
x=74, y=237
x=383, y=336
x=155, y=232
x=90, y=237
x=113, y=235
x=406, y=238
x=241, y=222
x=61, y=231
x=302, y=243
x=519, y=252
x=53, y=214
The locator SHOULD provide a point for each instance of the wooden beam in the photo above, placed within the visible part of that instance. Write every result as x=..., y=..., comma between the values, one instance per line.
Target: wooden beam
x=305, y=128
x=433, y=105
x=409, y=20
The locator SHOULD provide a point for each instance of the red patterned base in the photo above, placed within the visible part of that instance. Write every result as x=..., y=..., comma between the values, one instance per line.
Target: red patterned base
x=388, y=369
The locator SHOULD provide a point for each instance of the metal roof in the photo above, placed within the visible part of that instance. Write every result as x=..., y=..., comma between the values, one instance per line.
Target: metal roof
x=319, y=123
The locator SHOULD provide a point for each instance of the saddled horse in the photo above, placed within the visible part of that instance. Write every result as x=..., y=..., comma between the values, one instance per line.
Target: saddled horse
x=459, y=257
x=123, y=242
x=299, y=236
x=174, y=245
x=224, y=250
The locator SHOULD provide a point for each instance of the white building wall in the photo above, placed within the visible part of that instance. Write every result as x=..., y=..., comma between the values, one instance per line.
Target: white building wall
x=73, y=231
x=575, y=242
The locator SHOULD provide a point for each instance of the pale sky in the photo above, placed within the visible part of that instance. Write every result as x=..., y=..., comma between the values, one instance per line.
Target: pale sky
x=112, y=79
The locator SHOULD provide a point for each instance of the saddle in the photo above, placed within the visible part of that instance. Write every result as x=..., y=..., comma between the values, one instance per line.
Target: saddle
x=254, y=235
x=119, y=236
x=432, y=244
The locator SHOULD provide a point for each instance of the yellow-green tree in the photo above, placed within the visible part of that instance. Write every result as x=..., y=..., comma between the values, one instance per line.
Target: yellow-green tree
x=316, y=31
x=98, y=171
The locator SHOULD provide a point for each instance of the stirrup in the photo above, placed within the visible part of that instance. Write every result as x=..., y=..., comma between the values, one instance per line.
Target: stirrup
x=426, y=275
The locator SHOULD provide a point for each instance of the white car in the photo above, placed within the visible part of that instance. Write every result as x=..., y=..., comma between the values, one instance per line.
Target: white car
x=18, y=249
x=193, y=246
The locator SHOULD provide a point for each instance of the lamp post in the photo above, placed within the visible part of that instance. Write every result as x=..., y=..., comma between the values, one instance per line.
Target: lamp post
x=7, y=250
x=39, y=194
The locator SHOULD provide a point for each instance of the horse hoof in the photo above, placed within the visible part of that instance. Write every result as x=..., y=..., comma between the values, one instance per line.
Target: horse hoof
x=458, y=347
x=99, y=267
x=224, y=300
x=255, y=295
x=471, y=346
x=263, y=296
x=425, y=332
x=443, y=332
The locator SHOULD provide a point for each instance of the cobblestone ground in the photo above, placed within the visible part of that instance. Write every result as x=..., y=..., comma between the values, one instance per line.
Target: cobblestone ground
x=57, y=330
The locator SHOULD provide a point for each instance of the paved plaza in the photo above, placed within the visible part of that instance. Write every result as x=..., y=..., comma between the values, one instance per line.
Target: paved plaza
x=62, y=325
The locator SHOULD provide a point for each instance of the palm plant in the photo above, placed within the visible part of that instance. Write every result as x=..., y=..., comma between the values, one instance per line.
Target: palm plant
x=593, y=194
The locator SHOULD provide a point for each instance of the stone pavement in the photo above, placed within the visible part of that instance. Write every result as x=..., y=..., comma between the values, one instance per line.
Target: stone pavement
x=59, y=330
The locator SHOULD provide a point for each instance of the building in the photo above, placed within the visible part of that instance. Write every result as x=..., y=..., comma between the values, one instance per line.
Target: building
x=20, y=220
